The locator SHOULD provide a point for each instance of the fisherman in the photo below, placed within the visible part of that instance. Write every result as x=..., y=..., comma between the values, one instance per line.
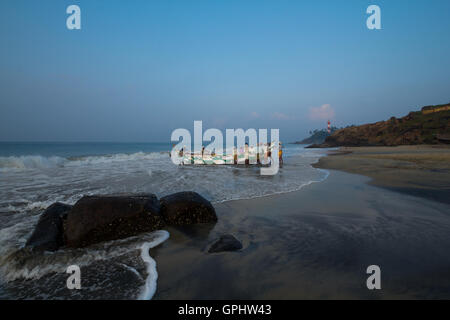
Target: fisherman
x=246, y=154
x=280, y=154
x=181, y=154
x=258, y=150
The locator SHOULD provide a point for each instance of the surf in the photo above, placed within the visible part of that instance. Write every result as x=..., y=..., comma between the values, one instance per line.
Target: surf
x=150, y=283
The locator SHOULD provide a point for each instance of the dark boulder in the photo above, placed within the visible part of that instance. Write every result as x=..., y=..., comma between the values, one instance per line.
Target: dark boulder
x=95, y=219
x=48, y=233
x=185, y=208
x=225, y=243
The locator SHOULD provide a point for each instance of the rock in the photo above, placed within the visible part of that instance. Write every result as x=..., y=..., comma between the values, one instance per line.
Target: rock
x=225, y=243
x=95, y=219
x=185, y=208
x=48, y=233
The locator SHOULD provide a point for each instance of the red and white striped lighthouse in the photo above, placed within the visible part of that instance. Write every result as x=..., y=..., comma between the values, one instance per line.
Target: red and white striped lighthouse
x=329, y=126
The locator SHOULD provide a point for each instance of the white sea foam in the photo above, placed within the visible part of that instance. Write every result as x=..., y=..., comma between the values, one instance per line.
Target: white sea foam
x=40, y=162
x=30, y=162
x=35, y=189
x=22, y=264
x=119, y=157
x=150, y=283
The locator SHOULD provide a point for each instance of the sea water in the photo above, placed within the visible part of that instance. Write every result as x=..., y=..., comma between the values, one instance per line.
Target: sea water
x=35, y=175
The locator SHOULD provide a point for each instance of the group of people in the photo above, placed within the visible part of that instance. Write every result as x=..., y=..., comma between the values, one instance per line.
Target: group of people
x=266, y=149
x=263, y=148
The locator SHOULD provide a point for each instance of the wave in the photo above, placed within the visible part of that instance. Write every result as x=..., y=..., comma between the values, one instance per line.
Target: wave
x=150, y=282
x=20, y=163
x=26, y=162
x=22, y=263
x=294, y=189
x=118, y=157
x=30, y=162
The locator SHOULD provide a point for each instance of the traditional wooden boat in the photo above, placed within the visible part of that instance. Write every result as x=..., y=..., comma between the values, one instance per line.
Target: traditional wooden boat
x=244, y=157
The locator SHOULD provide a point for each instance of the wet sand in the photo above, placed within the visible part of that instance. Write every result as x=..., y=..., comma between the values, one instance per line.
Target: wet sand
x=421, y=170
x=315, y=243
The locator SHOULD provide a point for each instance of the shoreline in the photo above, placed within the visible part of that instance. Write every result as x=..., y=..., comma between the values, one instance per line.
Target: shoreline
x=422, y=171
x=276, y=193
x=313, y=243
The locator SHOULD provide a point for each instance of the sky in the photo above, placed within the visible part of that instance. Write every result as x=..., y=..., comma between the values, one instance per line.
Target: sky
x=137, y=70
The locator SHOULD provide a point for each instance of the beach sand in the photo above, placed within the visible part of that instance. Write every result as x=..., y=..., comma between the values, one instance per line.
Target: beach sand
x=419, y=170
x=316, y=243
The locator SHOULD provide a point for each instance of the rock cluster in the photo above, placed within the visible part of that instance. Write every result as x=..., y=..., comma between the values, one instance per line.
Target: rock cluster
x=95, y=219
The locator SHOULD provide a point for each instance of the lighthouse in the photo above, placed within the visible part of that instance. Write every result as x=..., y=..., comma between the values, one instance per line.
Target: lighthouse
x=329, y=126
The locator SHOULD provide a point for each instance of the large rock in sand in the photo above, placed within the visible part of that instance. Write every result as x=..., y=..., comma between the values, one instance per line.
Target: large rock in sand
x=95, y=219
x=48, y=234
x=185, y=208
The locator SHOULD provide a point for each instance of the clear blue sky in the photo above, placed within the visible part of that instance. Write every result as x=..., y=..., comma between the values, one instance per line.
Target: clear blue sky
x=139, y=69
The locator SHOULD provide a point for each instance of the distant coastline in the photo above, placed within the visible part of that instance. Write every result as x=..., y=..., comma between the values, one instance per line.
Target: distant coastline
x=429, y=126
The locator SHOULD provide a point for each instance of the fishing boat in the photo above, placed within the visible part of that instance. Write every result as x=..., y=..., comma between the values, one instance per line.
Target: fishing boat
x=244, y=156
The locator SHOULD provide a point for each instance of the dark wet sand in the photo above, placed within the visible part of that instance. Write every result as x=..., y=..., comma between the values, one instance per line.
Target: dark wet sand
x=315, y=243
x=422, y=170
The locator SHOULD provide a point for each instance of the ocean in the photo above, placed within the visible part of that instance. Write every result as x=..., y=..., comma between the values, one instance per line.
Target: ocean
x=35, y=175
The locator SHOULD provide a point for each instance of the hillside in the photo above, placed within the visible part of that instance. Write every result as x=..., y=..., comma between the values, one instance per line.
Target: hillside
x=431, y=125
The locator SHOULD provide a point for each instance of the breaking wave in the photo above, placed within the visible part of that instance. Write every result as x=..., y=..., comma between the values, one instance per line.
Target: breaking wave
x=25, y=264
x=40, y=162
x=30, y=162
